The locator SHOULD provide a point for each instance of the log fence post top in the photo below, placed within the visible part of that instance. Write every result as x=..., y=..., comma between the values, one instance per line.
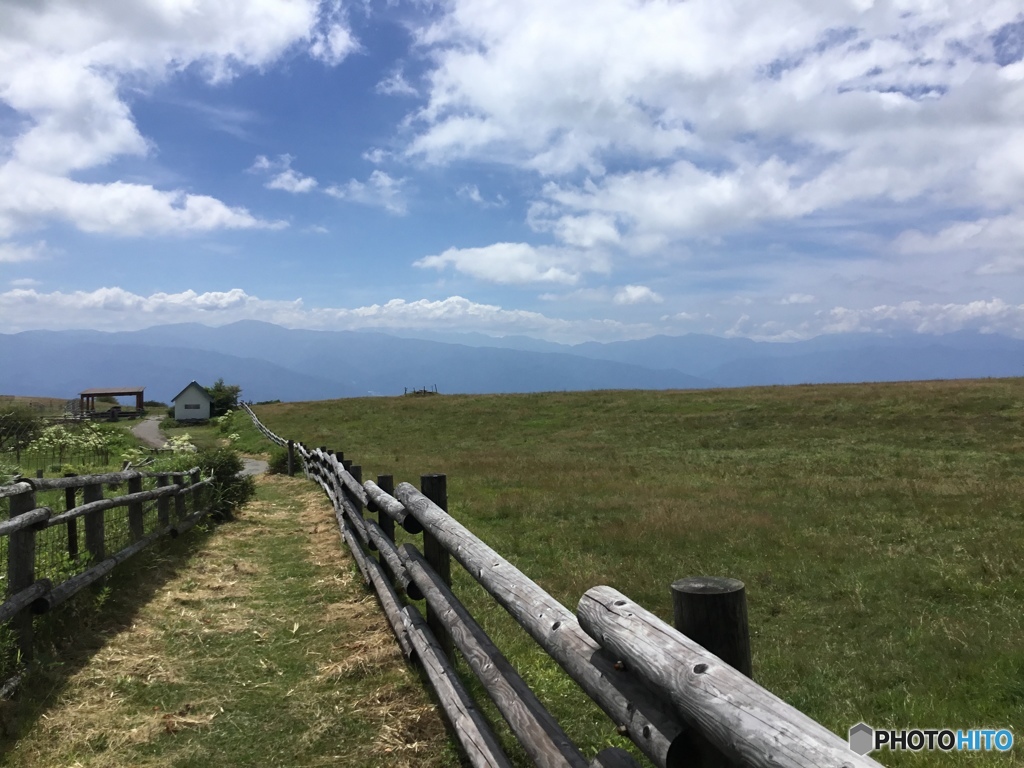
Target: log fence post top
x=705, y=585
x=712, y=611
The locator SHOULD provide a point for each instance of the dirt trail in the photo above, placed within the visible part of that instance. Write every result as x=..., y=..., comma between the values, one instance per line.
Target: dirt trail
x=148, y=432
x=258, y=647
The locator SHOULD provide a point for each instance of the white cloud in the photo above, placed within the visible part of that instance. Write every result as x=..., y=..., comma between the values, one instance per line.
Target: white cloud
x=290, y=181
x=106, y=308
x=988, y=316
x=113, y=308
x=995, y=240
x=116, y=309
x=636, y=294
x=675, y=121
x=798, y=298
x=379, y=190
x=13, y=252
x=512, y=263
x=333, y=45
x=472, y=193
x=395, y=84
x=580, y=294
x=685, y=317
x=25, y=282
x=64, y=66
x=376, y=155
x=284, y=177
x=117, y=208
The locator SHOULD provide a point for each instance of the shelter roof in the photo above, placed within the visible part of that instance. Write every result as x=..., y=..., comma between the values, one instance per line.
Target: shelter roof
x=113, y=392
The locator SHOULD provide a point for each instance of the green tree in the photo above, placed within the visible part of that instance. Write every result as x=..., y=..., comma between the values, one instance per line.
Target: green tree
x=225, y=397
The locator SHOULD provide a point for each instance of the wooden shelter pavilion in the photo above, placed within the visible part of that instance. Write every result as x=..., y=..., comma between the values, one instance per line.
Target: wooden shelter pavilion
x=87, y=397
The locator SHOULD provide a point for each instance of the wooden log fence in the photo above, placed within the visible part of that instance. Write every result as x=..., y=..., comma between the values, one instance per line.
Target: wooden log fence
x=679, y=702
x=43, y=565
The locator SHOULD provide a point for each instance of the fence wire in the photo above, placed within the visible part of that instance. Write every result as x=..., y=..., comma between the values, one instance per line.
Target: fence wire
x=60, y=551
x=53, y=561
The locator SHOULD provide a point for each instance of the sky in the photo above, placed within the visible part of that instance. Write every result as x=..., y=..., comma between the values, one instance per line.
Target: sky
x=570, y=170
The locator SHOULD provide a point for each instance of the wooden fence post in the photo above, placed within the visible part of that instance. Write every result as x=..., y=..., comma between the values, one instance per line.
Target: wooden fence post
x=712, y=611
x=21, y=569
x=435, y=488
x=387, y=484
x=70, y=503
x=387, y=525
x=163, y=503
x=198, y=495
x=180, y=512
x=94, y=523
x=136, y=519
x=357, y=474
x=291, y=458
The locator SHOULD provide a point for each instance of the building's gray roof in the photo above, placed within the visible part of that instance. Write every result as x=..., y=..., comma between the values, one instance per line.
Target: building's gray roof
x=201, y=389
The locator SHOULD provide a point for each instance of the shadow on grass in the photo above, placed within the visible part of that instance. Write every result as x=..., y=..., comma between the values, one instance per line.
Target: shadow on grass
x=67, y=639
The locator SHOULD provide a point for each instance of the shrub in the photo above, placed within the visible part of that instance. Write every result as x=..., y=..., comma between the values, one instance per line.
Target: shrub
x=278, y=461
x=8, y=472
x=229, y=490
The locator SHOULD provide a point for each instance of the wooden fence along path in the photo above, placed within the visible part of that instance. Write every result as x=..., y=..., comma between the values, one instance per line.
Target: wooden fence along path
x=39, y=546
x=678, y=702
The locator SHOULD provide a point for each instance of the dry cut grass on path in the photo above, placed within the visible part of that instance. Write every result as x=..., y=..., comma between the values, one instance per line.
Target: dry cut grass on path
x=262, y=649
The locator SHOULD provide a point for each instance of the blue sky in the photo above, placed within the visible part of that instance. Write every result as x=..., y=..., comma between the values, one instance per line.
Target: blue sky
x=571, y=170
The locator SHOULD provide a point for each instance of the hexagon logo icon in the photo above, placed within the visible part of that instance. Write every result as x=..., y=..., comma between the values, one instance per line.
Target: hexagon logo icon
x=862, y=738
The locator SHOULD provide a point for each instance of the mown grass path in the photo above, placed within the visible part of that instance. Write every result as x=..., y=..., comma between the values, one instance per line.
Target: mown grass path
x=250, y=644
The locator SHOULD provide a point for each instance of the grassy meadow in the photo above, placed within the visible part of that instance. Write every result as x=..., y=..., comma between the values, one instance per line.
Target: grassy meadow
x=878, y=528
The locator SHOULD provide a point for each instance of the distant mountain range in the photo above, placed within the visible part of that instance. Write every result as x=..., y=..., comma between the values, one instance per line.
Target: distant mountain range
x=271, y=362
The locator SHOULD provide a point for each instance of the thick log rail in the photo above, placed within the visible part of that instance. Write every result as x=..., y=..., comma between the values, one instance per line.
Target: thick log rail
x=680, y=704
x=28, y=543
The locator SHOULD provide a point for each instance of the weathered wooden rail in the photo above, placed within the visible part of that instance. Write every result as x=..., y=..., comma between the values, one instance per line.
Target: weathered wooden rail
x=678, y=702
x=45, y=564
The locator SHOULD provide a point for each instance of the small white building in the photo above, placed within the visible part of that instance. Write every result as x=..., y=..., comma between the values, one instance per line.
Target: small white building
x=192, y=403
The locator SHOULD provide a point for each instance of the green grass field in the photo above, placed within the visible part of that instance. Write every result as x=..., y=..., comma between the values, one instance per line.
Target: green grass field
x=878, y=528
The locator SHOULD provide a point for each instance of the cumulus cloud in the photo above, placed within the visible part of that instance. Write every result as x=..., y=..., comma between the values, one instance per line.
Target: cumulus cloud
x=64, y=67
x=331, y=39
x=636, y=294
x=987, y=316
x=518, y=263
x=472, y=193
x=395, y=84
x=116, y=309
x=766, y=113
x=798, y=298
x=118, y=208
x=284, y=176
x=685, y=317
x=995, y=241
x=376, y=155
x=13, y=252
x=380, y=190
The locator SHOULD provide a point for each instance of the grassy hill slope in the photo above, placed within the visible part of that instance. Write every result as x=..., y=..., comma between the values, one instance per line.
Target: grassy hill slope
x=878, y=528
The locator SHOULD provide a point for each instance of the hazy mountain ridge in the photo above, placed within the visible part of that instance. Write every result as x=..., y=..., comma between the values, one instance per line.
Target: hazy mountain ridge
x=272, y=362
